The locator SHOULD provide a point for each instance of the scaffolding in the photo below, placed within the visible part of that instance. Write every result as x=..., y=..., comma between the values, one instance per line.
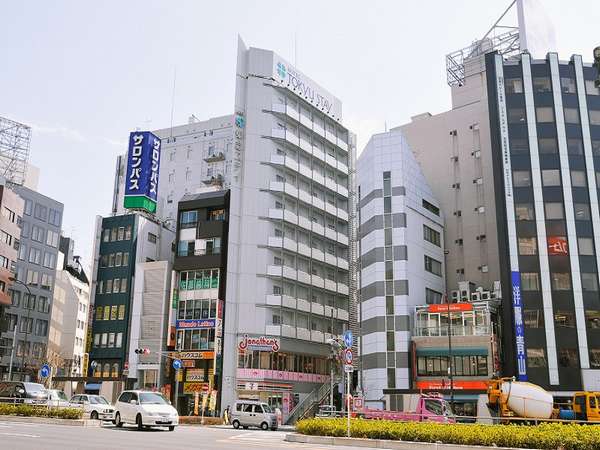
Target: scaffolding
x=470, y=60
x=14, y=150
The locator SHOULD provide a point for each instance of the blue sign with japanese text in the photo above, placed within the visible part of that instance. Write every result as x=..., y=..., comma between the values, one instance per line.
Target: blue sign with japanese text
x=519, y=331
x=143, y=164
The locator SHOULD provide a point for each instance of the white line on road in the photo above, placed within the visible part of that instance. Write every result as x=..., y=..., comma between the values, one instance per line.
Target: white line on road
x=19, y=435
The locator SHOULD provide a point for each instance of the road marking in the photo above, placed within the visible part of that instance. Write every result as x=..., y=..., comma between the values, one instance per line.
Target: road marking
x=19, y=435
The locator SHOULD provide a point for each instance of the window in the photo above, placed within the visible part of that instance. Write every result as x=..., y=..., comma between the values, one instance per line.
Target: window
x=152, y=238
x=571, y=115
x=35, y=255
x=524, y=211
x=118, y=259
x=568, y=85
x=547, y=145
x=128, y=232
x=431, y=208
x=52, y=238
x=530, y=281
x=586, y=246
x=518, y=145
x=516, y=115
x=33, y=277
x=596, y=147
x=590, y=88
x=437, y=366
x=594, y=116
x=527, y=246
x=575, y=146
x=41, y=327
x=589, y=282
x=568, y=357
x=433, y=266
x=119, y=341
x=582, y=211
x=123, y=285
x=533, y=318
x=109, y=285
x=125, y=259
x=578, y=178
x=106, y=235
x=216, y=215
x=120, y=233
x=28, y=207
x=99, y=312
x=40, y=212
x=113, y=312
x=47, y=281
x=592, y=318
x=544, y=114
x=113, y=234
x=542, y=84
x=521, y=178
x=554, y=211
x=431, y=235
x=106, y=313
x=54, y=217
x=121, y=313
x=565, y=319
x=551, y=177
x=536, y=357
x=37, y=233
x=560, y=281
x=111, y=260
x=431, y=297
x=513, y=86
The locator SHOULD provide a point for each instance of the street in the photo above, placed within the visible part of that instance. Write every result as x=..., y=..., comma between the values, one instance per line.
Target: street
x=27, y=436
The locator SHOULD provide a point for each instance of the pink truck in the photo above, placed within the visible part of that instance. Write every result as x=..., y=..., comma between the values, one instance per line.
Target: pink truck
x=430, y=408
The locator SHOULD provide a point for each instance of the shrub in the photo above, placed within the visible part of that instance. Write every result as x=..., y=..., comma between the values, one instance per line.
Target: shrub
x=40, y=411
x=543, y=436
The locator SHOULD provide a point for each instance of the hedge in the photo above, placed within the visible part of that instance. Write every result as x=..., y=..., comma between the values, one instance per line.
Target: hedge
x=542, y=436
x=40, y=411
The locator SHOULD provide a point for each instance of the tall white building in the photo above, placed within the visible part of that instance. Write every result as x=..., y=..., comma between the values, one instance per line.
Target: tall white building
x=287, y=267
x=401, y=260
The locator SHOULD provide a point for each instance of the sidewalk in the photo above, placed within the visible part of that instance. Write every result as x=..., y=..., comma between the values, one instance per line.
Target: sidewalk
x=288, y=428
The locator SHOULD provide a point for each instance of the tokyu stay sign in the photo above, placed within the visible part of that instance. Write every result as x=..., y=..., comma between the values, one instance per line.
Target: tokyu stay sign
x=143, y=165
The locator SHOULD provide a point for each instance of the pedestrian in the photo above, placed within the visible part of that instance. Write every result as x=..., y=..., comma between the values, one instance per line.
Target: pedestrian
x=226, y=416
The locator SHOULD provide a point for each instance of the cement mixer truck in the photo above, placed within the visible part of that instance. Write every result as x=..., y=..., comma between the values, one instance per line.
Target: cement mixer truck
x=517, y=399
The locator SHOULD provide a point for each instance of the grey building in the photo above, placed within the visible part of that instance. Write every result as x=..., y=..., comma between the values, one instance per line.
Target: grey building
x=35, y=268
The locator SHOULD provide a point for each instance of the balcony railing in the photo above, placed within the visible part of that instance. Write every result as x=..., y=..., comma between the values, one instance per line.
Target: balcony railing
x=457, y=330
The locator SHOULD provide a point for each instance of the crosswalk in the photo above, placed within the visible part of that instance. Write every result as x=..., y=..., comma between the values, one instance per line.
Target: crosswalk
x=261, y=438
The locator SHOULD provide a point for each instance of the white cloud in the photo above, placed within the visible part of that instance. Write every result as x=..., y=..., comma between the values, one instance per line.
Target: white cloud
x=60, y=131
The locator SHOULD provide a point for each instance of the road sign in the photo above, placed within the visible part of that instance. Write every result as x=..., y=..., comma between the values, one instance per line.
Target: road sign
x=45, y=371
x=348, y=356
x=348, y=368
x=177, y=364
x=348, y=338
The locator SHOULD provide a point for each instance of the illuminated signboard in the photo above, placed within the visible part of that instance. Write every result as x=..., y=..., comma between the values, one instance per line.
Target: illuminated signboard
x=195, y=323
x=453, y=307
x=141, y=178
x=557, y=245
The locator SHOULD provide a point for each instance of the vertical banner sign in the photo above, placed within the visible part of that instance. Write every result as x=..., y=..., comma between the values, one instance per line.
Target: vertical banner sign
x=143, y=163
x=238, y=144
x=519, y=332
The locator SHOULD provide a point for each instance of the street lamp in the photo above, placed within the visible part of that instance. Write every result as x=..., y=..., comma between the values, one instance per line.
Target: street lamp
x=15, y=280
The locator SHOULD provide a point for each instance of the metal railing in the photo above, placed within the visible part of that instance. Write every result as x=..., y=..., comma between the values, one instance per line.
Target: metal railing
x=457, y=330
x=308, y=403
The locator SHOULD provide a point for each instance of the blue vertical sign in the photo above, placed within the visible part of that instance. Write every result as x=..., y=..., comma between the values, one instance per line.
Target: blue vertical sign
x=143, y=163
x=519, y=331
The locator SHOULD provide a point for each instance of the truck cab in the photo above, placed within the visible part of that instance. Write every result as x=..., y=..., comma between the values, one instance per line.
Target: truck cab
x=586, y=406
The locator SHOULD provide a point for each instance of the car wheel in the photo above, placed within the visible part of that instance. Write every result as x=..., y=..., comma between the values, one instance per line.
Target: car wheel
x=171, y=428
x=94, y=415
x=118, y=422
x=138, y=421
x=236, y=424
x=264, y=426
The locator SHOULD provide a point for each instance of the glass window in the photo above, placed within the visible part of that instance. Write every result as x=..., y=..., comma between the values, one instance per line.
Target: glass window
x=590, y=88
x=578, y=178
x=595, y=358
x=527, y=246
x=544, y=114
x=121, y=313
x=589, y=282
x=431, y=297
x=575, y=146
x=128, y=232
x=568, y=85
x=518, y=145
x=596, y=147
x=586, y=246
x=565, y=319
x=533, y=318
x=560, y=281
x=568, y=357
x=530, y=281
x=571, y=115
x=554, y=211
x=542, y=84
x=521, y=178
x=592, y=318
x=582, y=211
x=524, y=211
x=516, y=115
x=594, y=116
x=433, y=266
x=536, y=357
x=514, y=85
x=547, y=145
x=551, y=177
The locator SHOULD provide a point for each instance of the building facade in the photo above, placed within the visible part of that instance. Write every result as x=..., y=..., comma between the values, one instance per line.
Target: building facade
x=401, y=260
x=36, y=268
x=287, y=281
x=70, y=312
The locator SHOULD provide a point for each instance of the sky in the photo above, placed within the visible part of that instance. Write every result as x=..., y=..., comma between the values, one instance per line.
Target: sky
x=84, y=74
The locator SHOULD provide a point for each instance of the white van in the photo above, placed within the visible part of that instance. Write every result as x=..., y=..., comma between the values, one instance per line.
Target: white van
x=252, y=413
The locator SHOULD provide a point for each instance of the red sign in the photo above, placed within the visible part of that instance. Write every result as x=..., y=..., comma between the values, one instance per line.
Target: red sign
x=445, y=384
x=348, y=356
x=454, y=307
x=263, y=343
x=557, y=245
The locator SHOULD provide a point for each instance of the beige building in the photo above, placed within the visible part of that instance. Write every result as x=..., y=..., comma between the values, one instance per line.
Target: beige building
x=11, y=206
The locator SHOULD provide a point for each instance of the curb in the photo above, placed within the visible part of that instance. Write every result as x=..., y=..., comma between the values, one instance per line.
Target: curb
x=384, y=444
x=53, y=421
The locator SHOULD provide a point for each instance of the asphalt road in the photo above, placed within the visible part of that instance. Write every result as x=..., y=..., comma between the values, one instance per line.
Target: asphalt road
x=29, y=436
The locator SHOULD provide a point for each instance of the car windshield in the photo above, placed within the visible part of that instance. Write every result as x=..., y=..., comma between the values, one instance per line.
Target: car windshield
x=152, y=398
x=34, y=387
x=59, y=395
x=267, y=408
x=98, y=400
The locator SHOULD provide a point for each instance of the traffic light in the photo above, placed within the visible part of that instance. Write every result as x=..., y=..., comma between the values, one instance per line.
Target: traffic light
x=142, y=351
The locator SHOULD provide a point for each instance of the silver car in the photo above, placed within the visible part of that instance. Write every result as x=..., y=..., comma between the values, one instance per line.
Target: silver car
x=96, y=406
x=252, y=413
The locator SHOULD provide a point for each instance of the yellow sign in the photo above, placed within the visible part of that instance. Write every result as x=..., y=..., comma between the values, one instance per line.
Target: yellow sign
x=190, y=388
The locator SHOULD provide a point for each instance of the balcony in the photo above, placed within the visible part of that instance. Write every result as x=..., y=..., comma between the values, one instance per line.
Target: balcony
x=213, y=179
x=288, y=302
x=275, y=213
x=331, y=233
x=305, y=145
x=330, y=259
x=318, y=178
x=303, y=277
x=342, y=314
x=318, y=129
x=306, y=171
x=342, y=191
x=342, y=263
x=303, y=305
x=342, y=288
x=316, y=336
x=318, y=281
x=331, y=184
x=331, y=160
x=331, y=209
x=288, y=331
x=303, y=333
x=305, y=222
x=278, y=159
x=214, y=157
x=278, y=107
x=316, y=308
x=318, y=203
x=304, y=250
x=275, y=242
x=318, y=254
x=304, y=196
x=331, y=137
x=328, y=311
x=342, y=214
x=306, y=121
x=342, y=167
x=273, y=330
x=341, y=144
x=318, y=228
x=278, y=133
x=342, y=238
x=330, y=285
x=318, y=154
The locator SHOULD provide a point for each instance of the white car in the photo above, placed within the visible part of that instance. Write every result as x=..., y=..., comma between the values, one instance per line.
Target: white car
x=95, y=405
x=57, y=398
x=145, y=409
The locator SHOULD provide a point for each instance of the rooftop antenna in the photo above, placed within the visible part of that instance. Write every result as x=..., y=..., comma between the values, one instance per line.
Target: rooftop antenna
x=173, y=98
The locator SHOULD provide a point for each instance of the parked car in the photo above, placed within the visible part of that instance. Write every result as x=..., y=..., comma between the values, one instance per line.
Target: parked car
x=145, y=409
x=96, y=406
x=252, y=413
x=57, y=398
x=22, y=392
